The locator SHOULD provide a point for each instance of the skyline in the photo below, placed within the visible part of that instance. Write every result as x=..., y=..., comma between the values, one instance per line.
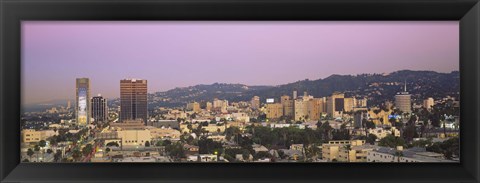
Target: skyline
x=258, y=52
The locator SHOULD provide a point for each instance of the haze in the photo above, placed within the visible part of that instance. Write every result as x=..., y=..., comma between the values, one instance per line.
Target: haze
x=178, y=54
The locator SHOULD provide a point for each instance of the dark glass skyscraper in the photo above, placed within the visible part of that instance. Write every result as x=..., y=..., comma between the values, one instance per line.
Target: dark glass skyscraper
x=133, y=100
x=82, y=101
x=99, y=109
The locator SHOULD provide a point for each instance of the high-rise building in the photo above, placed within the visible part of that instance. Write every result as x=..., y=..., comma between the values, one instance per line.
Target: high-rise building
x=208, y=106
x=294, y=95
x=255, y=102
x=194, y=106
x=220, y=105
x=315, y=108
x=69, y=104
x=287, y=104
x=428, y=103
x=335, y=104
x=403, y=101
x=358, y=119
x=300, y=109
x=82, y=101
x=274, y=111
x=348, y=104
x=99, y=109
x=133, y=99
x=360, y=102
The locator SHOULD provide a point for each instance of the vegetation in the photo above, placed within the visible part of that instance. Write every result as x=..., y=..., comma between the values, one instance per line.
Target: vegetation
x=450, y=148
x=391, y=141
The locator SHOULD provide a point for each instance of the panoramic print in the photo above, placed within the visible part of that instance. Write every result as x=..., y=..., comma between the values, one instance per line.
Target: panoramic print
x=240, y=92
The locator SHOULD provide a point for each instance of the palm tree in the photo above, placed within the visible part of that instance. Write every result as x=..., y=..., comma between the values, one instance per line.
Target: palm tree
x=348, y=147
x=42, y=144
x=57, y=156
x=36, y=149
x=398, y=154
x=76, y=154
x=30, y=153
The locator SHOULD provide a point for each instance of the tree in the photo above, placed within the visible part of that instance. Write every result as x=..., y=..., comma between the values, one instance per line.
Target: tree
x=348, y=148
x=53, y=140
x=391, y=141
x=42, y=144
x=231, y=131
x=399, y=154
x=167, y=142
x=107, y=150
x=57, y=155
x=245, y=155
x=208, y=146
x=175, y=150
x=76, y=154
x=49, y=151
x=87, y=149
x=326, y=130
x=147, y=144
x=371, y=138
x=36, y=149
x=449, y=148
x=370, y=124
x=30, y=153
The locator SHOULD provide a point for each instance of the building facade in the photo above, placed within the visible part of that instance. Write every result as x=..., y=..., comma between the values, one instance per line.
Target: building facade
x=133, y=99
x=428, y=103
x=274, y=111
x=82, y=102
x=255, y=102
x=99, y=109
x=403, y=101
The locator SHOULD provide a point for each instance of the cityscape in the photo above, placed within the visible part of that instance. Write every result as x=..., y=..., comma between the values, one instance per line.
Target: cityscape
x=294, y=127
x=240, y=92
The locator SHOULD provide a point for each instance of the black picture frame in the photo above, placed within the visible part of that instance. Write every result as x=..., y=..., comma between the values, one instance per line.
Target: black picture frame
x=12, y=12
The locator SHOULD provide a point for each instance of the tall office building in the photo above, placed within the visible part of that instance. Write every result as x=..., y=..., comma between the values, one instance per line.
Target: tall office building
x=428, y=103
x=335, y=104
x=208, y=106
x=82, y=101
x=255, y=102
x=294, y=94
x=315, y=108
x=99, y=109
x=287, y=105
x=194, y=106
x=403, y=101
x=133, y=100
x=274, y=111
x=300, y=109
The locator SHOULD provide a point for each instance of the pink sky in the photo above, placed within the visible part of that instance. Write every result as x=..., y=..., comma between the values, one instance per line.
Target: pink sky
x=178, y=54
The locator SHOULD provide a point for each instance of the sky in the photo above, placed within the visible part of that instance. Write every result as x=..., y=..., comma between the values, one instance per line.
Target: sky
x=173, y=54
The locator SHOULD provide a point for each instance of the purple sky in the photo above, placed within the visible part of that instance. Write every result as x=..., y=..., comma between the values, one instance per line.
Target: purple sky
x=178, y=54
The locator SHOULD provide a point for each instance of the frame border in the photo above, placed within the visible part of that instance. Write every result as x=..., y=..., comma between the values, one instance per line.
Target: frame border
x=12, y=12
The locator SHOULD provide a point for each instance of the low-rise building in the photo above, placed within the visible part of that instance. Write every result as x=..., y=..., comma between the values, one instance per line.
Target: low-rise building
x=382, y=133
x=330, y=150
x=134, y=137
x=385, y=154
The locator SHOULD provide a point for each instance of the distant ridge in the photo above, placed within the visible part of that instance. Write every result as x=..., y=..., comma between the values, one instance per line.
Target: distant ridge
x=421, y=84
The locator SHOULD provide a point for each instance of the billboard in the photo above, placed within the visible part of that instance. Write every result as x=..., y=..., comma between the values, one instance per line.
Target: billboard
x=395, y=116
x=82, y=106
x=270, y=100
